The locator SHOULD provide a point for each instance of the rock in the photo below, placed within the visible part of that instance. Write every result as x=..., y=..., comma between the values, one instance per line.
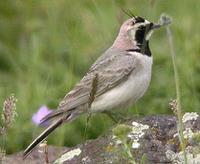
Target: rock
x=151, y=140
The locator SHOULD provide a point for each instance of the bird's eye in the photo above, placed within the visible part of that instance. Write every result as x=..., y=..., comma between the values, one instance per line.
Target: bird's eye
x=132, y=23
x=141, y=27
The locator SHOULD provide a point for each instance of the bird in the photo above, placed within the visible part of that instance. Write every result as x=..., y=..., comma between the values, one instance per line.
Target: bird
x=118, y=78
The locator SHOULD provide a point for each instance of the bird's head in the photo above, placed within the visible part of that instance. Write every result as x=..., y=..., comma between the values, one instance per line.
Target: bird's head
x=135, y=32
x=138, y=29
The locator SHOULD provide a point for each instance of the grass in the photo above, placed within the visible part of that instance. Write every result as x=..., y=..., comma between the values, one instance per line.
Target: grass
x=47, y=46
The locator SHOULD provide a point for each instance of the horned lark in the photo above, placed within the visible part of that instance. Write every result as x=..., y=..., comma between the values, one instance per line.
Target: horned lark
x=118, y=78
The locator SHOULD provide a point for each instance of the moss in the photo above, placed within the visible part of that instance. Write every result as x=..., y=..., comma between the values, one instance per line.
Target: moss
x=121, y=131
x=196, y=137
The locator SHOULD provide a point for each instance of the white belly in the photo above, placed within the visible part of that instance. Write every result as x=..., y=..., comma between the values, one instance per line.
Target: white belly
x=129, y=91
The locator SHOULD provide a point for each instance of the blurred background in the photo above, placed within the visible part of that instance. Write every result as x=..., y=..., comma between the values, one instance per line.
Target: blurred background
x=47, y=46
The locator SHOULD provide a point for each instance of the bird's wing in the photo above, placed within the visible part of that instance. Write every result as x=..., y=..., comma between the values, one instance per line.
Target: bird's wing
x=109, y=70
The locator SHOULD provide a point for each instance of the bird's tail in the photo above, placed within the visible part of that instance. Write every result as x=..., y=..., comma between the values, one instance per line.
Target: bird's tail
x=58, y=121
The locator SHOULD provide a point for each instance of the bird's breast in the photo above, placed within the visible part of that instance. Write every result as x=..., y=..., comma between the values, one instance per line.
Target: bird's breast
x=128, y=91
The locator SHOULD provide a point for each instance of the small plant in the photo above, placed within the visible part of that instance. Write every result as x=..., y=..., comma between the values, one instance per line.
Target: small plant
x=40, y=114
x=8, y=116
x=8, y=113
x=121, y=132
x=44, y=147
x=173, y=106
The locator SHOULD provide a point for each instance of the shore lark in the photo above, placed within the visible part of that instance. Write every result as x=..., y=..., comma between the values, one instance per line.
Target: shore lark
x=118, y=78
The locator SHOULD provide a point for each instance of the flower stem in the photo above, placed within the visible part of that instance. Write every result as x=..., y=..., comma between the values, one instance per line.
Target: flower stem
x=177, y=85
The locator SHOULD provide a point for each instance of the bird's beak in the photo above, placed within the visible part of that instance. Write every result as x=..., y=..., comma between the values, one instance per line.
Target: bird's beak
x=152, y=26
x=155, y=26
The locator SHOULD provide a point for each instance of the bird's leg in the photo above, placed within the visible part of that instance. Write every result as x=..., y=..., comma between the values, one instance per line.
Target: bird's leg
x=111, y=116
x=116, y=117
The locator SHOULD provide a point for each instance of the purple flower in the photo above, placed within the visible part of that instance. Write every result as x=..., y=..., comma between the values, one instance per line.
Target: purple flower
x=41, y=113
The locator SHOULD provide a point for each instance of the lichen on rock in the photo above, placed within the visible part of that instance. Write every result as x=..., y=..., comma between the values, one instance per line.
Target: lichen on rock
x=138, y=130
x=68, y=156
x=178, y=158
x=189, y=116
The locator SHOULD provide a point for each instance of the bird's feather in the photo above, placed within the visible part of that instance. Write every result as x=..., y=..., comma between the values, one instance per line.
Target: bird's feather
x=112, y=69
x=43, y=135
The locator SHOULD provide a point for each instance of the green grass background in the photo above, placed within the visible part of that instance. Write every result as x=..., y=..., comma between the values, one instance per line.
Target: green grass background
x=47, y=46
